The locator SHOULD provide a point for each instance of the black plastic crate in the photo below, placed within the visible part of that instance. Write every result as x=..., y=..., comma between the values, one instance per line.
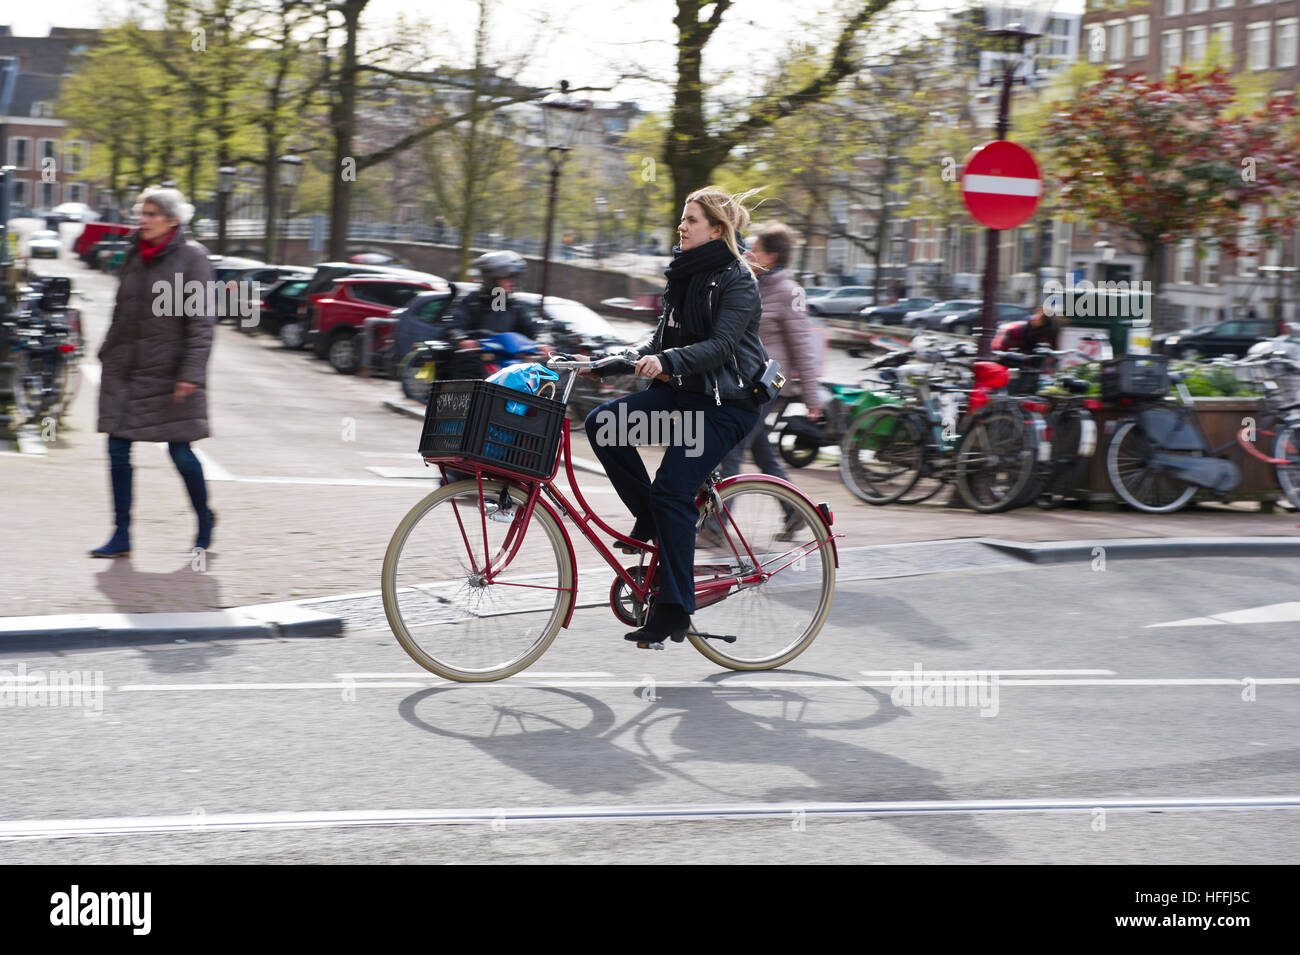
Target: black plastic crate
x=1135, y=376
x=494, y=425
x=447, y=418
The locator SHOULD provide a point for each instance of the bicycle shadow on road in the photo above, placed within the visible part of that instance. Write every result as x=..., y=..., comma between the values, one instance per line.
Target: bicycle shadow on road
x=571, y=742
x=184, y=590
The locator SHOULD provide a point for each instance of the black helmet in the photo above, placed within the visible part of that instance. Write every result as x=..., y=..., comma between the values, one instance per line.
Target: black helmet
x=499, y=265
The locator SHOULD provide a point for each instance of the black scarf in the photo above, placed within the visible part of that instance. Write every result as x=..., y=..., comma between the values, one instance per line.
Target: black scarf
x=689, y=269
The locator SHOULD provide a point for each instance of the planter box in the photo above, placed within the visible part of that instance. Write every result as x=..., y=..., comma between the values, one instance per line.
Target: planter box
x=1221, y=419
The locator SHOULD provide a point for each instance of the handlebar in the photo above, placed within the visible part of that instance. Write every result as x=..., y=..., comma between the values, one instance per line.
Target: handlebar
x=569, y=363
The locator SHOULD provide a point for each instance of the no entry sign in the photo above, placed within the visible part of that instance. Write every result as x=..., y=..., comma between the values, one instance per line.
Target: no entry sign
x=1000, y=184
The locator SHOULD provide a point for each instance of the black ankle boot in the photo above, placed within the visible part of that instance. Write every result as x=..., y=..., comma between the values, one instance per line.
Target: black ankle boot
x=667, y=621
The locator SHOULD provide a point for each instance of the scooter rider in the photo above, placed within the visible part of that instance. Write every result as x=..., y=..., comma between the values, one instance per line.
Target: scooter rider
x=489, y=308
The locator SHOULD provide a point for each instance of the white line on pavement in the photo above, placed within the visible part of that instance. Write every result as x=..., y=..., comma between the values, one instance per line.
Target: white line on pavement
x=243, y=821
x=412, y=680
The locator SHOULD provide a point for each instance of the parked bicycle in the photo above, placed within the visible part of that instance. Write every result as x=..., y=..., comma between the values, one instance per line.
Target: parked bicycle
x=481, y=575
x=41, y=348
x=1159, y=456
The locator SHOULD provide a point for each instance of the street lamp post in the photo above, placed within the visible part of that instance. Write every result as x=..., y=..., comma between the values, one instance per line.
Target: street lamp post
x=601, y=202
x=226, y=179
x=1011, y=39
x=562, y=118
x=290, y=174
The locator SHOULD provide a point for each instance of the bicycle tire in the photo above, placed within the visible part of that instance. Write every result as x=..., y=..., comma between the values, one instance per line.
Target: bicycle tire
x=776, y=620
x=887, y=436
x=795, y=454
x=28, y=405
x=996, y=459
x=1287, y=447
x=1138, y=485
x=1067, y=469
x=456, y=625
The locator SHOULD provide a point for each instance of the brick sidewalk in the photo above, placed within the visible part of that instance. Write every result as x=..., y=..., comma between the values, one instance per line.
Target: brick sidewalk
x=283, y=542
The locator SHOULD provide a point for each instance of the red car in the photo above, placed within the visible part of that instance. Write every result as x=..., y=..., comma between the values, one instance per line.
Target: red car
x=338, y=314
x=92, y=233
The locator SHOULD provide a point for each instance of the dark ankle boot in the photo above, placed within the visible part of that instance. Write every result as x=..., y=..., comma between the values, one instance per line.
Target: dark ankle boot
x=667, y=621
x=119, y=545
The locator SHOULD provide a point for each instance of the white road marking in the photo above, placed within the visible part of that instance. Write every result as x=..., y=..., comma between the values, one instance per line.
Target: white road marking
x=401, y=676
x=536, y=681
x=1001, y=672
x=326, y=819
x=212, y=471
x=1271, y=613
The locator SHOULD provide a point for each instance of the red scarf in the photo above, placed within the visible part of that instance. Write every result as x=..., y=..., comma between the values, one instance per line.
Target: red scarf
x=148, y=251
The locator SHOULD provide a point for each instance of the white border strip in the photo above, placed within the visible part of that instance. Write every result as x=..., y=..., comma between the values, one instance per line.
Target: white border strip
x=238, y=822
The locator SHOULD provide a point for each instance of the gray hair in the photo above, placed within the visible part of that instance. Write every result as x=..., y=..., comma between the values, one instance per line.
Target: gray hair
x=170, y=202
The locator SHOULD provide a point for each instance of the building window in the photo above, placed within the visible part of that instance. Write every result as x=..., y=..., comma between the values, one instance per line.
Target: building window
x=1257, y=46
x=1173, y=8
x=22, y=193
x=74, y=156
x=1248, y=241
x=49, y=195
x=20, y=152
x=75, y=192
x=1199, y=6
x=1186, y=261
x=1197, y=39
x=1210, y=264
x=1222, y=4
x=1286, y=43
x=1172, y=49
x=1115, y=40
x=1221, y=37
x=1096, y=43
x=42, y=110
x=1139, y=31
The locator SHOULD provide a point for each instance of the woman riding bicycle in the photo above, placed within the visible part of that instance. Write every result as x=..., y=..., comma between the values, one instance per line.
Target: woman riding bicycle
x=702, y=359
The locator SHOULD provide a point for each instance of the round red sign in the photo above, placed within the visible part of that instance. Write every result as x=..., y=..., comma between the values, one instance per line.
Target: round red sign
x=1000, y=184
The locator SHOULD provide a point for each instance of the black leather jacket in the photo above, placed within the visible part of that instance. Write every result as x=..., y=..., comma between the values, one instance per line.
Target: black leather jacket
x=723, y=359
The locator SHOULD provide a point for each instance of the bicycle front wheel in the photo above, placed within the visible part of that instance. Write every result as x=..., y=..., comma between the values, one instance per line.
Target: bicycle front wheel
x=471, y=593
x=1287, y=448
x=1134, y=479
x=997, y=459
x=764, y=528
x=882, y=455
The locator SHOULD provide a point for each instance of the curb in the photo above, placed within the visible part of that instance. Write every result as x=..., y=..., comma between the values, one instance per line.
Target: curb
x=89, y=630
x=402, y=407
x=1057, y=552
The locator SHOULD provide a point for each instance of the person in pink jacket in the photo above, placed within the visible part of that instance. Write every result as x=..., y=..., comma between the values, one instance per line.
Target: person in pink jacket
x=788, y=338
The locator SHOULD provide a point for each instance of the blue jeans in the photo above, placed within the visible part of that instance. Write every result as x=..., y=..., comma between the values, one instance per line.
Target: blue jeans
x=120, y=472
x=665, y=507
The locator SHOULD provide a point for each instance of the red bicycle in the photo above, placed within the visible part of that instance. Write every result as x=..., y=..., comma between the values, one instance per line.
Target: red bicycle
x=481, y=574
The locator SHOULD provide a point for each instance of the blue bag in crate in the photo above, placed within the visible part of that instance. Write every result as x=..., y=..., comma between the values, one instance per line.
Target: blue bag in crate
x=529, y=378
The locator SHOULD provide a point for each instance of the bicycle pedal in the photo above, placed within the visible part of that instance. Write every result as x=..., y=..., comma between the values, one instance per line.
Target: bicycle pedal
x=650, y=646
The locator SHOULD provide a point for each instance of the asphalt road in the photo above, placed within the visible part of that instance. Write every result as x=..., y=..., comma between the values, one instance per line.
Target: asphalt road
x=1086, y=702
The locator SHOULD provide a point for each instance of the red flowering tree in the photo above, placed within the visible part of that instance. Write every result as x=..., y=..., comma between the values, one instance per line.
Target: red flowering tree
x=1167, y=160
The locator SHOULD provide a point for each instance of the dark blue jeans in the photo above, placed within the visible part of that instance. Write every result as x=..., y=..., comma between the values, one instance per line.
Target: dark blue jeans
x=665, y=507
x=120, y=471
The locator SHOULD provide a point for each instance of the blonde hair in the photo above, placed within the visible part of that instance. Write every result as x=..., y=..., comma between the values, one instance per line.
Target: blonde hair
x=728, y=212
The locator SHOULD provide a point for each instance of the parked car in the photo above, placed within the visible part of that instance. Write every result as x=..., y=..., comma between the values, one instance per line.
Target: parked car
x=73, y=212
x=816, y=291
x=1215, y=339
x=570, y=321
x=44, y=244
x=338, y=314
x=279, y=305
x=94, y=232
x=892, y=314
x=966, y=322
x=294, y=334
x=842, y=301
x=931, y=317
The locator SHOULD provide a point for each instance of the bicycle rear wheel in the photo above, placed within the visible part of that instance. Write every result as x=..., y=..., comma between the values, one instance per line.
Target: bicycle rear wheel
x=996, y=459
x=770, y=528
x=882, y=454
x=1134, y=479
x=442, y=608
x=1287, y=448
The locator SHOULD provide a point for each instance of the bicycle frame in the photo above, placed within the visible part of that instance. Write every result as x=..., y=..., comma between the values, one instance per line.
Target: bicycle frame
x=584, y=517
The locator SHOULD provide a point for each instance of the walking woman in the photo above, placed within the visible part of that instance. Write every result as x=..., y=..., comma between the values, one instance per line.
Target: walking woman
x=702, y=357
x=154, y=361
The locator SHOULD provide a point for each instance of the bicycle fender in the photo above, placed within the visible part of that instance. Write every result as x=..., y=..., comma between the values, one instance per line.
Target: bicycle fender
x=769, y=479
x=1170, y=431
x=1216, y=474
x=1087, y=437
